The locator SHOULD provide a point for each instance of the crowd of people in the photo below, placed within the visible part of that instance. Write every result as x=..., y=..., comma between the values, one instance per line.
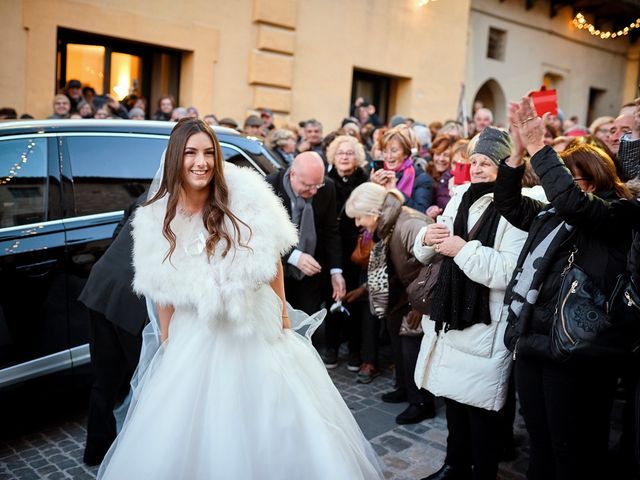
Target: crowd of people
x=496, y=213
x=493, y=216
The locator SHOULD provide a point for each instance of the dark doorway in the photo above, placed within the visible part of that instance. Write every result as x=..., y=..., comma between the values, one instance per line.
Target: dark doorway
x=596, y=106
x=117, y=67
x=374, y=88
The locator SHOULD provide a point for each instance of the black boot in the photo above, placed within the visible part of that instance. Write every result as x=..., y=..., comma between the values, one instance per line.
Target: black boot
x=395, y=396
x=415, y=413
x=447, y=472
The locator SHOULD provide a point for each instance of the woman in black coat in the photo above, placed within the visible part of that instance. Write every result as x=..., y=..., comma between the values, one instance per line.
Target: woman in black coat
x=346, y=157
x=565, y=405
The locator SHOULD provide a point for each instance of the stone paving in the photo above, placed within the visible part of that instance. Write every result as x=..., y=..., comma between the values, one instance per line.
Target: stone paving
x=54, y=450
x=409, y=452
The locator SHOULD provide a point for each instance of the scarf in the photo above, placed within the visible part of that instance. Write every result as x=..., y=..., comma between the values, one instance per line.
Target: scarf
x=408, y=172
x=378, y=278
x=287, y=157
x=458, y=301
x=522, y=292
x=302, y=217
x=377, y=271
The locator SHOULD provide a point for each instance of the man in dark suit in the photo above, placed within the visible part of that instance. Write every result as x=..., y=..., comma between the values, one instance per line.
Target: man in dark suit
x=310, y=199
x=116, y=319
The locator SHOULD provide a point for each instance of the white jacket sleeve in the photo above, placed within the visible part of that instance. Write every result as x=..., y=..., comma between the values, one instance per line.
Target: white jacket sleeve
x=422, y=253
x=489, y=266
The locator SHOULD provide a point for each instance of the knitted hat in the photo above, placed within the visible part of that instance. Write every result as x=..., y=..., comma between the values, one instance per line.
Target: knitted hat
x=494, y=143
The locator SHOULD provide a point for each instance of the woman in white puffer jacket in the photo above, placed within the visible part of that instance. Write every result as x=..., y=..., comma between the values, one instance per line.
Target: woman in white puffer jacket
x=463, y=357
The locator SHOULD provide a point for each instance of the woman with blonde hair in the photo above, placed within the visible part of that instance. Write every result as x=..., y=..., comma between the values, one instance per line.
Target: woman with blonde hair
x=392, y=267
x=346, y=157
x=398, y=146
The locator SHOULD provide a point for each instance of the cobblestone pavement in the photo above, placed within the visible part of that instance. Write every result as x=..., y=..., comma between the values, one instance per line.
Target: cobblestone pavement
x=409, y=452
x=51, y=448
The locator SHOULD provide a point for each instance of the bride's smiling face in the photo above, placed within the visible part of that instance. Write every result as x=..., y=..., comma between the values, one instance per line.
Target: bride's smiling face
x=197, y=162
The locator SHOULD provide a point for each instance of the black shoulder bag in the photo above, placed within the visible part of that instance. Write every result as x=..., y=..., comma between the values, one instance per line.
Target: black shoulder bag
x=587, y=324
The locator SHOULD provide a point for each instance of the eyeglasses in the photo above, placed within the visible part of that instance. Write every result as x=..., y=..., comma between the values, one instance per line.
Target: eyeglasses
x=348, y=153
x=308, y=186
x=584, y=179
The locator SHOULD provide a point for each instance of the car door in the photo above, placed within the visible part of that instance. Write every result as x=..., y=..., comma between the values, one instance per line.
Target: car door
x=106, y=173
x=33, y=290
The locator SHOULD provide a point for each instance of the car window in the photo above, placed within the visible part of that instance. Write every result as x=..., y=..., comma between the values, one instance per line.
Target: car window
x=232, y=155
x=110, y=172
x=23, y=181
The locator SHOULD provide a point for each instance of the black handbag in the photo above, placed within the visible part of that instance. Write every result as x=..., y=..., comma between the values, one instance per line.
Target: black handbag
x=420, y=291
x=587, y=324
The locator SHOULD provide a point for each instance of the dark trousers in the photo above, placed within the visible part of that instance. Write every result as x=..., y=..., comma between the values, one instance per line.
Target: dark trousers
x=114, y=357
x=370, y=335
x=340, y=326
x=305, y=294
x=393, y=322
x=566, y=411
x=405, y=356
x=410, y=349
x=474, y=439
x=628, y=458
x=508, y=412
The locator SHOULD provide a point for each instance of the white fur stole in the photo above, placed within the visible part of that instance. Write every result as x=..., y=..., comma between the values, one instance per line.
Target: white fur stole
x=216, y=286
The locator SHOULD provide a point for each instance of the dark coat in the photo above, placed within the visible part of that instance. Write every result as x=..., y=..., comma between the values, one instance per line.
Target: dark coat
x=422, y=192
x=108, y=289
x=347, y=226
x=601, y=236
x=634, y=259
x=441, y=195
x=281, y=157
x=328, y=248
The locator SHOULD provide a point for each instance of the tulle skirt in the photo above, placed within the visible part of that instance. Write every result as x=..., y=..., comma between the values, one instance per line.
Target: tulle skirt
x=214, y=404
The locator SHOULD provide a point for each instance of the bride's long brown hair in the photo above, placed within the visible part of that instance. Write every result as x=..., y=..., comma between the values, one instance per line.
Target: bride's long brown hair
x=217, y=204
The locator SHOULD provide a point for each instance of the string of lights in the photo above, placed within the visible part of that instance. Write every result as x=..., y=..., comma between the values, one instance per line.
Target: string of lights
x=24, y=158
x=581, y=23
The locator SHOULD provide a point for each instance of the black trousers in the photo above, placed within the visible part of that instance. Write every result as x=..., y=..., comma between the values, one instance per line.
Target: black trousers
x=306, y=294
x=370, y=335
x=114, y=357
x=340, y=326
x=474, y=439
x=566, y=411
x=410, y=349
x=393, y=322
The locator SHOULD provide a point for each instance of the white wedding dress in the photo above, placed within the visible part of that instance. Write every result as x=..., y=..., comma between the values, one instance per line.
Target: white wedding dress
x=230, y=394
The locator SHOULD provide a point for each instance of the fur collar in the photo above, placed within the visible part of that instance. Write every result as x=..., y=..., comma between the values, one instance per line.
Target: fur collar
x=216, y=287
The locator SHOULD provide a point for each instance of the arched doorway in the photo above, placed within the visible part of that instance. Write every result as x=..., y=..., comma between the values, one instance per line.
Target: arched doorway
x=491, y=96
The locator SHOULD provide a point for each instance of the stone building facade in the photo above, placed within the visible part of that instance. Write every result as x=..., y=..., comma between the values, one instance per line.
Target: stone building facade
x=309, y=58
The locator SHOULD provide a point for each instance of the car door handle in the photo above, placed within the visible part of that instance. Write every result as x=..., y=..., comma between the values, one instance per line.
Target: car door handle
x=83, y=259
x=39, y=269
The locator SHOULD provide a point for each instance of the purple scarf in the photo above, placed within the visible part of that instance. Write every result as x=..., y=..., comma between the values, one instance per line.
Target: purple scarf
x=405, y=185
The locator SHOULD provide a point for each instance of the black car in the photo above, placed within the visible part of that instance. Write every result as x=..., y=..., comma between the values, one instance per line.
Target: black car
x=64, y=185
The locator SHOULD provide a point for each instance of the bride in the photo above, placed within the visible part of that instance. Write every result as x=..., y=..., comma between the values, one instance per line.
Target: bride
x=233, y=392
